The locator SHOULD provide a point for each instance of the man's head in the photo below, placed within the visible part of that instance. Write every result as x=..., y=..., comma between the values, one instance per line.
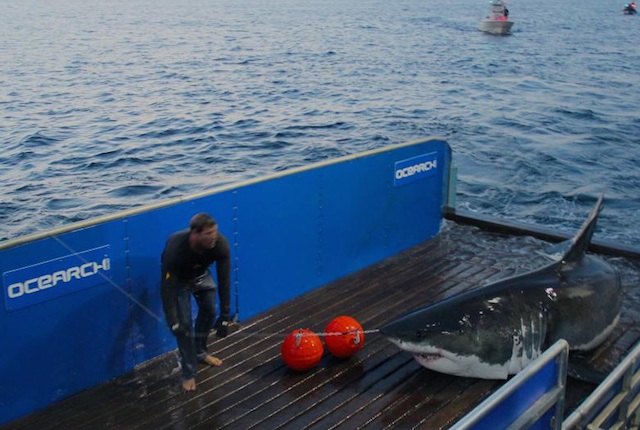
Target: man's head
x=204, y=231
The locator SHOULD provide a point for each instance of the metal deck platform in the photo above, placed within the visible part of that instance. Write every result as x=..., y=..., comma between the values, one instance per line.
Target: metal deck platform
x=380, y=387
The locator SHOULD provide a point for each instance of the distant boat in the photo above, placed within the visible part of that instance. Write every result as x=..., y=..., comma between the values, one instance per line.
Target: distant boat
x=498, y=20
x=630, y=9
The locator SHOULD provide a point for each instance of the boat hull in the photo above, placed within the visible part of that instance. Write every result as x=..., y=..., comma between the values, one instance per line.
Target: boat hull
x=495, y=27
x=59, y=284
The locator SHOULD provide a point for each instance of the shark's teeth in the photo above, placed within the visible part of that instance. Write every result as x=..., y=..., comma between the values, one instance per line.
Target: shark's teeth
x=428, y=357
x=425, y=360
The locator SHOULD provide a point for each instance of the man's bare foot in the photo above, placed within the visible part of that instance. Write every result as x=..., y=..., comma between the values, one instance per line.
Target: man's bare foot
x=212, y=361
x=189, y=385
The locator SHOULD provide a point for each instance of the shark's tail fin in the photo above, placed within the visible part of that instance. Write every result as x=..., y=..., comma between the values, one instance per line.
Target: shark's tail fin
x=581, y=240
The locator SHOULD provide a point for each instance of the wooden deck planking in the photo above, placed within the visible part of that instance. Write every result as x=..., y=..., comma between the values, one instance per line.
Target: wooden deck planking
x=381, y=387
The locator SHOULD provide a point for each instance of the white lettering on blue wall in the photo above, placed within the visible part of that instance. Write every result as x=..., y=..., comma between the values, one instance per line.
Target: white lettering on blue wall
x=415, y=168
x=43, y=282
x=54, y=278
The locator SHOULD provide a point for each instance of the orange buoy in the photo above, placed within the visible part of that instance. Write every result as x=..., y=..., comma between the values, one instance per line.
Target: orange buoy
x=349, y=341
x=302, y=349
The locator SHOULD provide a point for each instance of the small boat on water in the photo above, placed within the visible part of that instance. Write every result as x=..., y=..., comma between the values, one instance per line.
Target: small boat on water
x=498, y=20
x=630, y=9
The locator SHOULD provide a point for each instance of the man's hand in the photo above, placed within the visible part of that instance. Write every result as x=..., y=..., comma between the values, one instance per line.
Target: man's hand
x=222, y=326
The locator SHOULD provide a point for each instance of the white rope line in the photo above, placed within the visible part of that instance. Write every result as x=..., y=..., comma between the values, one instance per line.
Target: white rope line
x=118, y=287
x=265, y=334
x=241, y=331
x=343, y=333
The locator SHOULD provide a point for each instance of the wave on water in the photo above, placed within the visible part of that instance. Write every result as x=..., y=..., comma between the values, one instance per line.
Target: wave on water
x=130, y=103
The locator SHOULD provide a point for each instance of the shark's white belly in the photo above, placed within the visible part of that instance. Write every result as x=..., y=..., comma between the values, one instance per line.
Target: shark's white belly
x=473, y=366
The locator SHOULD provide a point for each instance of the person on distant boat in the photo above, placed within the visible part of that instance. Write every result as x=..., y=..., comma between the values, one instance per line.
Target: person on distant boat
x=506, y=13
x=186, y=259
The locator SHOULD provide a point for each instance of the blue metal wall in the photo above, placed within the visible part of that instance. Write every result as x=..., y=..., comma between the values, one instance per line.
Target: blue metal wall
x=82, y=305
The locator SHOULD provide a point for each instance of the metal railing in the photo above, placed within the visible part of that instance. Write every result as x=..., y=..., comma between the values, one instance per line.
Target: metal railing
x=614, y=403
x=532, y=398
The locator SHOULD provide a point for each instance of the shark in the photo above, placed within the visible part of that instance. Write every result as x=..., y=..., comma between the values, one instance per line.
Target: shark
x=494, y=331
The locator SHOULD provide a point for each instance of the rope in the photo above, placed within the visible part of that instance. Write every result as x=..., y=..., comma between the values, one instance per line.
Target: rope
x=299, y=335
x=265, y=334
x=357, y=340
x=118, y=287
x=337, y=333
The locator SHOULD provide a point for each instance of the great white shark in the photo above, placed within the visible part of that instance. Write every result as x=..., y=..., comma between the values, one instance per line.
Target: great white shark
x=494, y=331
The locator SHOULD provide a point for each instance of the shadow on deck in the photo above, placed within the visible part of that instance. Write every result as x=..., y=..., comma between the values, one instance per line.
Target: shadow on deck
x=380, y=387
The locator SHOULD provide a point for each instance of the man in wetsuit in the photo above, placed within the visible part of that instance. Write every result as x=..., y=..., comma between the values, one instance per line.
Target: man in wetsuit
x=185, y=271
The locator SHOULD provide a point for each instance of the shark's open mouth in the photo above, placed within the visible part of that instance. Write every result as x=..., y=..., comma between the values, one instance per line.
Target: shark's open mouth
x=424, y=358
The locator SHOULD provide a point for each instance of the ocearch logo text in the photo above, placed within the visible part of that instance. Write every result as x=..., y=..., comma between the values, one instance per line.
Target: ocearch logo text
x=43, y=282
x=415, y=168
x=36, y=283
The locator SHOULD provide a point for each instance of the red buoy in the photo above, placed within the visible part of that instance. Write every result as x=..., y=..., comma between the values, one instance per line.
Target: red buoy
x=349, y=341
x=302, y=349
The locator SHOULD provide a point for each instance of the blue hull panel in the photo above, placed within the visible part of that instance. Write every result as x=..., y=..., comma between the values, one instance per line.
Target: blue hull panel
x=82, y=303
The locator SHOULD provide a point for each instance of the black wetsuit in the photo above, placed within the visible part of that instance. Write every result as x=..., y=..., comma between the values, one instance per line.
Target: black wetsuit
x=186, y=273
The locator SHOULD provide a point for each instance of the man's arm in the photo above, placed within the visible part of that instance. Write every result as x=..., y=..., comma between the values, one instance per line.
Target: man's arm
x=169, y=302
x=169, y=279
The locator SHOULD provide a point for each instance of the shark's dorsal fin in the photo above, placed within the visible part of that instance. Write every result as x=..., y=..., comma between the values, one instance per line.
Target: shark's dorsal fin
x=581, y=240
x=556, y=251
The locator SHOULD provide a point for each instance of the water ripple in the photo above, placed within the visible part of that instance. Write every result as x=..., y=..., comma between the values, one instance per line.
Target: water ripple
x=107, y=106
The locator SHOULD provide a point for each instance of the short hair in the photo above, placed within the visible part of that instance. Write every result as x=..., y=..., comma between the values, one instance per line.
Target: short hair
x=201, y=221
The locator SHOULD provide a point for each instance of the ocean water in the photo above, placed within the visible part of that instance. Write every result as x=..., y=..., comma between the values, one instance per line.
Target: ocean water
x=109, y=105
